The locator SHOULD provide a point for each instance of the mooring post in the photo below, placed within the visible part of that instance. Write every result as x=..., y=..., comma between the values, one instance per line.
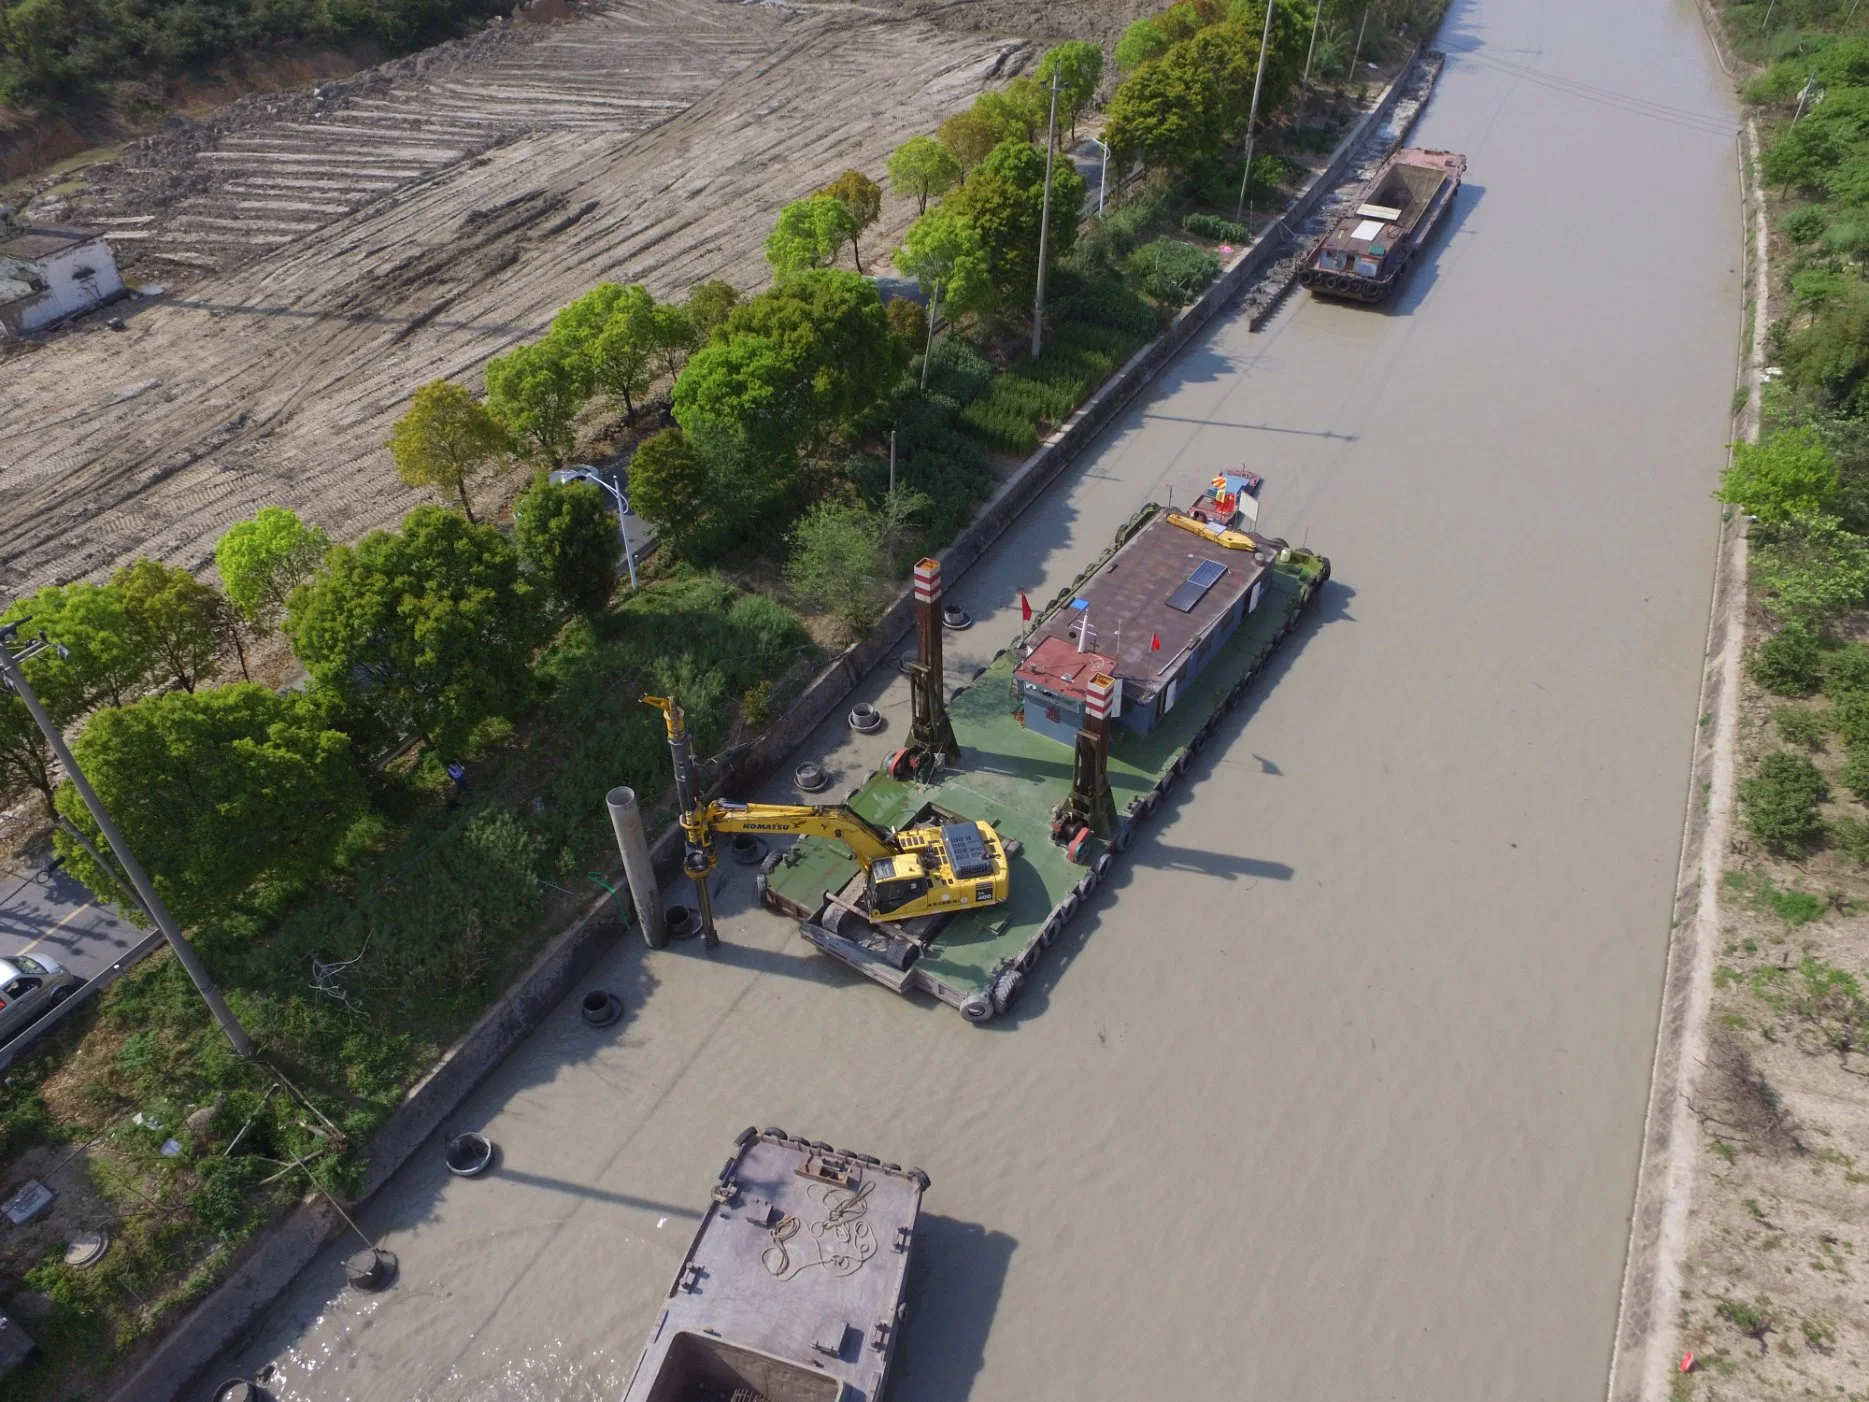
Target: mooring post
x=633, y=843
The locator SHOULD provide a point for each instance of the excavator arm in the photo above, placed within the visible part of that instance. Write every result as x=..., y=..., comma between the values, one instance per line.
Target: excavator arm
x=868, y=843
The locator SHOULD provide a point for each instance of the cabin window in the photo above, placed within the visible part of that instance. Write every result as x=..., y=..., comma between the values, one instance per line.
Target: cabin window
x=893, y=895
x=1367, y=267
x=1332, y=259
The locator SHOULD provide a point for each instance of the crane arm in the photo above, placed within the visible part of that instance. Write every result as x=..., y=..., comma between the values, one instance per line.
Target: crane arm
x=869, y=843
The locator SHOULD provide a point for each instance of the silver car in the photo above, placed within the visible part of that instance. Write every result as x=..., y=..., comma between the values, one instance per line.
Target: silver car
x=30, y=987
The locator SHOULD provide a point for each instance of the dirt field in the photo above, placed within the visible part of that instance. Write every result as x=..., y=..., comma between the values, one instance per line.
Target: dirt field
x=415, y=221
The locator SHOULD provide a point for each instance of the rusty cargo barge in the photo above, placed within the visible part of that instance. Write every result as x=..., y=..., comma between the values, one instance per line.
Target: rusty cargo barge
x=1367, y=252
x=1017, y=795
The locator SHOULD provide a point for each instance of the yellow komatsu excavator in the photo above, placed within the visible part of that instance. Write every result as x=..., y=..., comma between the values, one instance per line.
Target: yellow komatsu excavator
x=931, y=869
x=934, y=867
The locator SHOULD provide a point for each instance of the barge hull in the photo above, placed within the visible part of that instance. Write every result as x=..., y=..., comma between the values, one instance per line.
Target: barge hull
x=1012, y=777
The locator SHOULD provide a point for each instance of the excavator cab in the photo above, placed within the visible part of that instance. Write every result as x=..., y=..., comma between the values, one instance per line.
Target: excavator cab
x=896, y=882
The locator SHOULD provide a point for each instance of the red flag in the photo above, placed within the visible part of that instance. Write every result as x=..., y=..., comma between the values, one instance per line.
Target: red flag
x=1155, y=642
x=1025, y=607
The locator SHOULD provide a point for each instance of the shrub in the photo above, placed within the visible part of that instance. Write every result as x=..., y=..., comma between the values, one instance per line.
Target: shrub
x=1212, y=226
x=1846, y=671
x=1851, y=718
x=1780, y=801
x=957, y=370
x=1851, y=837
x=1789, y=663
x=1799, y=726
x=1172, y=272
x=1855, y=773
x=1806, y=225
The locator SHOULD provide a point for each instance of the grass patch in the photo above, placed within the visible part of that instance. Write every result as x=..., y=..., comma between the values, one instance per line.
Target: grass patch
x=1795, y=906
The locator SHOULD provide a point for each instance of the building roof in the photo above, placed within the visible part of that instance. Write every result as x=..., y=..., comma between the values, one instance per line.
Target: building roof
x=1058, y=666
x=1129, y=604
x=42, y=240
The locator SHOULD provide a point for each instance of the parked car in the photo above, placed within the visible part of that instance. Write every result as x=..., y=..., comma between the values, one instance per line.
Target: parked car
x=30, y=987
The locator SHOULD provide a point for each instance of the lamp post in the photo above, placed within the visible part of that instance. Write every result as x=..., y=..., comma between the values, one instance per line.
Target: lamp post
x=1103, y=176
x=585, y=474
x=139, y=881
x=1258, y=78
x=1044, y=222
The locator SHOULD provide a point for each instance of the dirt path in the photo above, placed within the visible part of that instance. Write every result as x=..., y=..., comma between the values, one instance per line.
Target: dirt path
x=277, y=382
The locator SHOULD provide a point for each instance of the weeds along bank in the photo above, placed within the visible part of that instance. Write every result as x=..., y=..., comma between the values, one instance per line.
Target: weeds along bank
x=1772, y=1298
x=359, y=914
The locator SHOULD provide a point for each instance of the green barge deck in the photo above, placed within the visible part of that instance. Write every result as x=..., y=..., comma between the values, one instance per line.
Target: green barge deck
x=1013, y=777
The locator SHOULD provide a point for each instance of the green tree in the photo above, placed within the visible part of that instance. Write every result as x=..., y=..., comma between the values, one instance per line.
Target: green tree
x=1790, y=474
x=1141, y=43
x=808, y=235
x=429, y=628
x=968, y=138
x=1816, y=570
x=263, y=560
x=862, y=199
x=178, y=621
x=791, y=367
x=445, y=440
x=707, y=307
x=612, y=334
x=1021, y=110
x=673, y=336
x=943, y=252
x=670, y=488
x=1003, y=199
x=924, y=168
x=567, y=536
x=215, y=791
x=836, y=563
x=1168, y=113
x=535, y=392
x=100, y=657
x=1780, y=802
x=1079, y=66
x=26, y=762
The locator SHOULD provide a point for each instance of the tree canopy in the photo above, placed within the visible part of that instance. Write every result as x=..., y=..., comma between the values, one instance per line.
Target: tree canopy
x=671, y=488
x=567, y=536
x=1003, y=198
x=707, y=307
x=178, y=621
x=1790, y=474
x=1079, y=66
x=104, y=658
x=445, y=440
x=214, y=791
x=263, y=560
x=942, y=249
x=924, y=168
x=862, y=199
x=535, y=392
x=968, y=137
x=428, y=628
x=809, y=234
x=836, y=562
x=610, y=333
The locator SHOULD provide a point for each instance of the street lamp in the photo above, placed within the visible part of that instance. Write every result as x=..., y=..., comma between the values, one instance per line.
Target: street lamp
x=139, y=881
x=588, y=474
x=1103, y=176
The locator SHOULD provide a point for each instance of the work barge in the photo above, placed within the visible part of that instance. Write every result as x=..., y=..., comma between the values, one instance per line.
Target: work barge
x=1366, y=253
x=1066, y=743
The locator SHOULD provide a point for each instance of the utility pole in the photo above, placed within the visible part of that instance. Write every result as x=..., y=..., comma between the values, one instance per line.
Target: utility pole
x=1044, y=221
x=934, y=301
x=1361, y=30
x=1258, y=79
x=892, y=462
x=139, y=881
x=1304, y=83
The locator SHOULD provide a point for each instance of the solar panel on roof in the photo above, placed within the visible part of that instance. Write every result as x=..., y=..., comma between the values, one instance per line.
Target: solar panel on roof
x=965, y=852
x=1203, y=577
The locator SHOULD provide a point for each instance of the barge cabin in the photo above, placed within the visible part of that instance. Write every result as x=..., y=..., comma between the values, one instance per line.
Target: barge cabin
x=1151, y=618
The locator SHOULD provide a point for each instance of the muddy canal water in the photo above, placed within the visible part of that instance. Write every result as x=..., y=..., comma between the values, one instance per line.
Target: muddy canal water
x=1337, y=1090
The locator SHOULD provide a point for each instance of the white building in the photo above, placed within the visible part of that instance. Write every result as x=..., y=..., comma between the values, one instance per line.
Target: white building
x=51, y=271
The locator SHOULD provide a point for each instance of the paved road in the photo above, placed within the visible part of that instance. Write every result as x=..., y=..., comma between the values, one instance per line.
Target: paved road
x=1336, y=1091
x=50, y=913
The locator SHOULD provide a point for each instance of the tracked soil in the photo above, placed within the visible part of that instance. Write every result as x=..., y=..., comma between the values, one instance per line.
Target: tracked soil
x=415, y=221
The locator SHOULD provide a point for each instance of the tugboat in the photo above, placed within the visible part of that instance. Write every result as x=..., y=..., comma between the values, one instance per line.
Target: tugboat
x=1363, y=257
x=792, y=1290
